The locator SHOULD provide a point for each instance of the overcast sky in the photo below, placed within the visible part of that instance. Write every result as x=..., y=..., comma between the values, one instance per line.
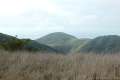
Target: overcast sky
x=82, y=18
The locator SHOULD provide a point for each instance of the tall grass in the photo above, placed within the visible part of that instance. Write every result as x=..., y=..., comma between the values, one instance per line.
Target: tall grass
x=28, y=66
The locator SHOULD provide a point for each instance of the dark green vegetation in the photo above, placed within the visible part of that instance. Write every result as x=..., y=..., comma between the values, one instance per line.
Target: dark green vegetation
x=69, y=44
x=63, y=42
x=11, y=43
x=103, y=44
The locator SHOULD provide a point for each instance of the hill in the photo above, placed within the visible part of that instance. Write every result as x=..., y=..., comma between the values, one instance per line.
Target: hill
x=11, y=43
x=103, y=44
x=56, y=38
x=35, y=46
x=62, y=42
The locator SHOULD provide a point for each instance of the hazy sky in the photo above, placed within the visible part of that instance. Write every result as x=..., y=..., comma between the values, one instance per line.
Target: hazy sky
x=82, y=18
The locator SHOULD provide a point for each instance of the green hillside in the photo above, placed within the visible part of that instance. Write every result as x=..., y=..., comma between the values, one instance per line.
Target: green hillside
x=103, y=44
x=35, y=46
x=11, y=43
x=77, y=44
x=62, y=42
x=56, y=38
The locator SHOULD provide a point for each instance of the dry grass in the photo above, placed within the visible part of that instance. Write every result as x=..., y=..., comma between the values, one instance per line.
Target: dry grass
x=28, y=66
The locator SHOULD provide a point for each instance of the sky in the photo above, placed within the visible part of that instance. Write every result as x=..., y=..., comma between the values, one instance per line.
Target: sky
x=81, y=18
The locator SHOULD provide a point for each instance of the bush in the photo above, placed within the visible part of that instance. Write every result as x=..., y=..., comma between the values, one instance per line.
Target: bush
x=13, y=45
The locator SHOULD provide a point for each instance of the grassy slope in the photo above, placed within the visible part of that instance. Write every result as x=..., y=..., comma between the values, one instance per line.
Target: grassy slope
x=62, y=42
x=77, y=44
x=35, y=46
x=103, y=44
x=28, y=66
x=57, y=38
x=5, y=38
x=7, y=42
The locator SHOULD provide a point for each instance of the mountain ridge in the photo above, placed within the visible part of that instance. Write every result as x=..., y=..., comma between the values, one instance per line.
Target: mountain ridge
x=62, y=41
x=11, y=43
x=103, y=44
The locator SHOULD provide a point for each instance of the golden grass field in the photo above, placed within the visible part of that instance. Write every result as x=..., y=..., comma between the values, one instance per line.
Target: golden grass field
x=38, y=66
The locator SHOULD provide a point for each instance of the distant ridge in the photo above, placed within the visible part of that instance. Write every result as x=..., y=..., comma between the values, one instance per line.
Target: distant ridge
x=103, y=44
x=11, y=43
x=56, y=38
x=62, y=42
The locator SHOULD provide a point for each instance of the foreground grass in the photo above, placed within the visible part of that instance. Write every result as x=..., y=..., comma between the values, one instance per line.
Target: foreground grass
x=28, y=66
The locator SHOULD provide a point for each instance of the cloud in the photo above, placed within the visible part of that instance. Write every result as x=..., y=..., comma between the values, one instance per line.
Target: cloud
x=34, y=17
